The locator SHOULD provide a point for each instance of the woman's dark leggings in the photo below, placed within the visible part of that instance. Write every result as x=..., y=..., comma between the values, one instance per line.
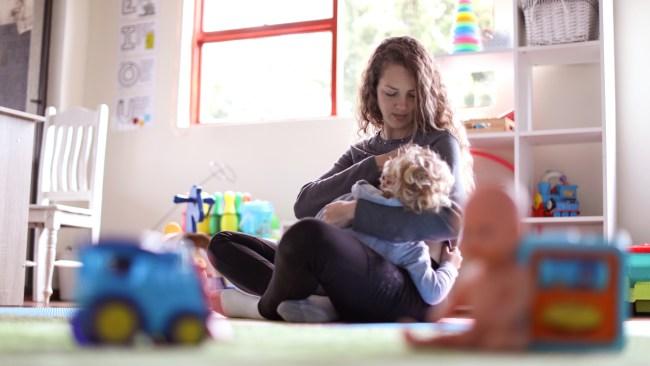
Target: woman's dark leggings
x=362, y=285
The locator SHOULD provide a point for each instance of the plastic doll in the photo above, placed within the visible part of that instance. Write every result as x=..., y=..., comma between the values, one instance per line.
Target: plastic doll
x=492, y=283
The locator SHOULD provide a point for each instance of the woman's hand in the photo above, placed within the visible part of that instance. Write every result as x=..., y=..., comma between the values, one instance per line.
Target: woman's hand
x=339, y=213
x=451, y=255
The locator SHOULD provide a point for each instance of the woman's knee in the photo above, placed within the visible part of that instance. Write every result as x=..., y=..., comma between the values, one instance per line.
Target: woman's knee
x=221, y=247
x=307, y=237
x=220, y=240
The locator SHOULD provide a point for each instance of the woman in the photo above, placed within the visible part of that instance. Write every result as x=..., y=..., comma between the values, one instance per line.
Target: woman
x=402, y=100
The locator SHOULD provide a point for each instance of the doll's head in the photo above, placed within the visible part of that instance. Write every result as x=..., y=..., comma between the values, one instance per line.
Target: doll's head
x=491, y=227
x=419, y=178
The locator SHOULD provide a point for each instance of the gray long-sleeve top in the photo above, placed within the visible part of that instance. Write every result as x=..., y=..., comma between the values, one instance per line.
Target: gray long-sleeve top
x=384, y=222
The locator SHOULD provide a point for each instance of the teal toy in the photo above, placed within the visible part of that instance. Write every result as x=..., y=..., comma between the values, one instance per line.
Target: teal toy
x=579, y=294
x=257, y=218
x=639, y=277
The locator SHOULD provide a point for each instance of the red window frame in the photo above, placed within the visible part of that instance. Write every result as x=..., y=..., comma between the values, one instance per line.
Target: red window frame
x=200, y=38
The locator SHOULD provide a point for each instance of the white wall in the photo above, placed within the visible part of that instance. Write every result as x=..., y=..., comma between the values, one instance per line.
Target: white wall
x=146, y=167
x=69, y=41
x=633, y=116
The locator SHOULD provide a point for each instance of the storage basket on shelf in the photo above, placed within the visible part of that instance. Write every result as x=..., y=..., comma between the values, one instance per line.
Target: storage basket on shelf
x=559, y=21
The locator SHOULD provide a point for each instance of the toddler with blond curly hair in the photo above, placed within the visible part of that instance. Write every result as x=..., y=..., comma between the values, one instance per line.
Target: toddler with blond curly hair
x=418, y=180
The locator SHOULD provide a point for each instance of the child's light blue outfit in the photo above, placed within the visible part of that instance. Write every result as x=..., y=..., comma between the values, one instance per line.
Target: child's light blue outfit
x=433, y=285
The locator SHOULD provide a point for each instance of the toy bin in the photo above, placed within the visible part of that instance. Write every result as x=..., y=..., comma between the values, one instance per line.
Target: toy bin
x=559, y=21
x=67, y=269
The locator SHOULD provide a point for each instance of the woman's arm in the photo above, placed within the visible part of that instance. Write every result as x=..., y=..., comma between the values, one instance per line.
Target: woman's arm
x=397, y=224
x=338, y=181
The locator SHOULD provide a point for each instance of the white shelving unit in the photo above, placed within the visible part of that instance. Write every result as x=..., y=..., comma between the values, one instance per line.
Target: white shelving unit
x=564, y=103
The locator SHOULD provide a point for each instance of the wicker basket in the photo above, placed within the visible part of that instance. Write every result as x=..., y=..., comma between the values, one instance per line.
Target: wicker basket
x=559, y=21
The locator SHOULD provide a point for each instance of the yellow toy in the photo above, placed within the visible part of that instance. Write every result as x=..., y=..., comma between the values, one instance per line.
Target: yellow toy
x=172, y=228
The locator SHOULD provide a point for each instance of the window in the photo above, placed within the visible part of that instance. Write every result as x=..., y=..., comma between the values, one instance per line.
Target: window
x=280, y=61
x=275, y=62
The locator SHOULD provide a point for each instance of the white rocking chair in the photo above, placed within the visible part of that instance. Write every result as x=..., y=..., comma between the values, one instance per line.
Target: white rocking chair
x=71, y=172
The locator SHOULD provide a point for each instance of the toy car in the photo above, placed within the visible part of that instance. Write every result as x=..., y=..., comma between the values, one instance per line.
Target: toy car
x=123, y=289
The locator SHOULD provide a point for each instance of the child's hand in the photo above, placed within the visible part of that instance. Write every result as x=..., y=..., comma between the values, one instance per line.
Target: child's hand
x=452, y=256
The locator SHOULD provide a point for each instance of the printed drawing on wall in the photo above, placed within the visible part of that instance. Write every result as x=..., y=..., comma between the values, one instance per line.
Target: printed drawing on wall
x=136, y=64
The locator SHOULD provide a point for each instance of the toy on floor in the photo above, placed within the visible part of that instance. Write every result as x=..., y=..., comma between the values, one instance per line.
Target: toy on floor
x=639, y=277
x=123, y=289
x=194, y=213
x=229, y=219
x=227, y=211
x=579, y=291
x=555, y=196
x=551, y=291
x=492, y=283
x=257, y=218
x=217, y=212
x=172, y=227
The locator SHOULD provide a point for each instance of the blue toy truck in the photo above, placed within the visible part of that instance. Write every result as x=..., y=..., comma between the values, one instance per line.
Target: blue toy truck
x=123, y=289
x=556, y=199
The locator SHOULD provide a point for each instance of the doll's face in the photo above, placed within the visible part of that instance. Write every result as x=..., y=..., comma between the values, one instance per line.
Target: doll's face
x=491, y=226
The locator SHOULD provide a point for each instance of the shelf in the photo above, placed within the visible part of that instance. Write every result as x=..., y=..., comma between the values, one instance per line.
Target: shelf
x=491, y=139
x=572, y=220
x=563, y=136
x=491, y=52
x=561, y=54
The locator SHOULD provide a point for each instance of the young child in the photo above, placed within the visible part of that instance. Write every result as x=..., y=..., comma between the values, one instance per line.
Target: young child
x=418, y=180
x=493, y=284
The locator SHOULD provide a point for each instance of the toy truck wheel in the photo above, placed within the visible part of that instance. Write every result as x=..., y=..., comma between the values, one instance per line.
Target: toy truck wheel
x=186, y=328
x=80, y=328
x=114, y=321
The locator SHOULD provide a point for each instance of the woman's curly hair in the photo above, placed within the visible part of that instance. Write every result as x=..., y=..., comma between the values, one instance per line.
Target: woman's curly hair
x=418, y=178
x=432, y=111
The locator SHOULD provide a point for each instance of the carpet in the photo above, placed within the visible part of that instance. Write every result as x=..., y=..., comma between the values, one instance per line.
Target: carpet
x=43, y=341
x=29, y=312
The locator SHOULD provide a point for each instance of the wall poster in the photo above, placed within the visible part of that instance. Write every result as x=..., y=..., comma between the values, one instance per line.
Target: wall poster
x=136, y=64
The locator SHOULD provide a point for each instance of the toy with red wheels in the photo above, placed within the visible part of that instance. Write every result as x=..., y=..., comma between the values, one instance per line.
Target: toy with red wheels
x=555, y=196
x=124, y=290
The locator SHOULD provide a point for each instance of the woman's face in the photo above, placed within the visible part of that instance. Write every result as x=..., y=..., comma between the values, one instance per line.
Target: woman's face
x=396, y=98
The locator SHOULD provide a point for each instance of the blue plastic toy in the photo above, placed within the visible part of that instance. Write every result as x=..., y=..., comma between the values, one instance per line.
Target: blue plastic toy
x=556, y=198
x=580, y=291
x=194, y=212
x=257, y=218
x=123, y=289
